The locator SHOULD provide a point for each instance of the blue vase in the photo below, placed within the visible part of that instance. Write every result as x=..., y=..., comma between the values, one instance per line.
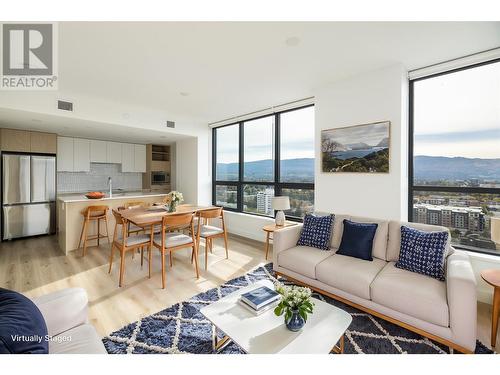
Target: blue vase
x=296, y=322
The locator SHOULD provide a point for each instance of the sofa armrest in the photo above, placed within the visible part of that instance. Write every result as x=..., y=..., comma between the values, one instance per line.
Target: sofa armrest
x=284, y=239
x=462, y=299
x=64, y=309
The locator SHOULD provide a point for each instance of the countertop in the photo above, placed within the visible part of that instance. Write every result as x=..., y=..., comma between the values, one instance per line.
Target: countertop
x=80, y=197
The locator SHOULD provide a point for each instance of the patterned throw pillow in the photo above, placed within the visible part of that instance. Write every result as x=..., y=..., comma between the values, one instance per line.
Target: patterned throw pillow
x=316, y=231
x=423, y=252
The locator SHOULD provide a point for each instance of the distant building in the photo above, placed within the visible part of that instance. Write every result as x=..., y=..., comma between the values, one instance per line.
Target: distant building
x=463, y=218
x=264, y=202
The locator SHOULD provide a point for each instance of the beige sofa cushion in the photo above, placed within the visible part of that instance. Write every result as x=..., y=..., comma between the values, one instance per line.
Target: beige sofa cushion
x=394, y=243
x=302, y=259
x=79, y=340
x=350, y=274
x=411, y=293
x=379, y=249
x=337, y=230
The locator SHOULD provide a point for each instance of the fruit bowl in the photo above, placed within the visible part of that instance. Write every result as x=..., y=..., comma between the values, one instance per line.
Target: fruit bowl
x=95, y=195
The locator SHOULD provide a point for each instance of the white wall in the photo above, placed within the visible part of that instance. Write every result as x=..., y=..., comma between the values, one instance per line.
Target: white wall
x=375, y=96
x=186, y=152
x=245, y=225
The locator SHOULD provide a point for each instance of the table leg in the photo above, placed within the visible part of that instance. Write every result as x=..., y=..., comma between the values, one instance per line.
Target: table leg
x=494, y=316
x=218, y=345
x=267, y=243
x=340, y=348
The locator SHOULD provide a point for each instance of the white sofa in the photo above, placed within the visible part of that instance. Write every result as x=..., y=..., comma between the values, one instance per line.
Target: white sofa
x=65, y=313
x=442, y=311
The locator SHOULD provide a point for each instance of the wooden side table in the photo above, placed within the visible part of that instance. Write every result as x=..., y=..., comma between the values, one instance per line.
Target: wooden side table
x=492, y=277
x=271, y=228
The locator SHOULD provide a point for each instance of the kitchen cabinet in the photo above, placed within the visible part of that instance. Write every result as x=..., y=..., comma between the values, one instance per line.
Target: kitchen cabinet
x=113, y=152
x=98, y=151
x=43, y=143
x=140, y=158
x=81, y=152
x=15, y=140
x=128, y=157
x=65, y=154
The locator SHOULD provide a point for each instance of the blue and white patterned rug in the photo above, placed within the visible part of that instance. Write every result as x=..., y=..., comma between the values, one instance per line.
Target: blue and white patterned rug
x=181, y=328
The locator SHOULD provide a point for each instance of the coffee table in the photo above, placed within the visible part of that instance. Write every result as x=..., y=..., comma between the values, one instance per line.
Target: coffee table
x=267, y=333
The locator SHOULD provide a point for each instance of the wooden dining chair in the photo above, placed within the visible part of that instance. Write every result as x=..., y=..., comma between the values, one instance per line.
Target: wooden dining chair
x=168, y=242
x=93, y=214
x=132, y=228
x=209, y=232
x=124, y=243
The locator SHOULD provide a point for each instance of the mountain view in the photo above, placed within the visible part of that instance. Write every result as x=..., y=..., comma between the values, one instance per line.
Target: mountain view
x=431, y=168
x=292, y=170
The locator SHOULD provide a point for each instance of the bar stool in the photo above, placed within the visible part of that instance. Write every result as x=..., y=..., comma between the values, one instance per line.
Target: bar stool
x=93, y=214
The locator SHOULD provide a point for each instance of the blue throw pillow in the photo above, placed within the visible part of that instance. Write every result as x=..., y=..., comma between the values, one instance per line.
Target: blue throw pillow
x=357, y=240
x=423, y=252
x=316, y=231
x=22, y=327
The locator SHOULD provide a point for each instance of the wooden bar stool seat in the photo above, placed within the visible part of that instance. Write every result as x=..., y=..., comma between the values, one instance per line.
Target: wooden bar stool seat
x=93, y=214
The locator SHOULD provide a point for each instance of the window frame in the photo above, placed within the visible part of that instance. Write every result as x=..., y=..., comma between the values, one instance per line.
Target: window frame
x=412, y=188
x=276, y=183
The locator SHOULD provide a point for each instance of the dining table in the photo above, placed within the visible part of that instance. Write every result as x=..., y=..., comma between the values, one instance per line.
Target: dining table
x=153, y=215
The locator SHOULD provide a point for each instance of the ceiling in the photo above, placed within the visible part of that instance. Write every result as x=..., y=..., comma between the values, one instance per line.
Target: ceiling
x=215, y=70
x=73, y=127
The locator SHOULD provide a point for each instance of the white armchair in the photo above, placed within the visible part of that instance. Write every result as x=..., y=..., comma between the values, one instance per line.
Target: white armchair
x=65, y=313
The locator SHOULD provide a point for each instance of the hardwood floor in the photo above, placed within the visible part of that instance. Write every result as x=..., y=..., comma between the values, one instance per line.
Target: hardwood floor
x=36, y=266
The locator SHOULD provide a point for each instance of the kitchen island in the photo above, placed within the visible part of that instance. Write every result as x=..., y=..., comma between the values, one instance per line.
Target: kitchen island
x=70, y=218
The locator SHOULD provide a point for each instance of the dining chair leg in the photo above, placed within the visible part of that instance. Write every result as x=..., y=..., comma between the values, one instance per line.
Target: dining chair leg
x=98, y=231
x=142, y=256
x=107, y=228
x=170, y=258
x=122, y=267
x=225, y=245
x=206, y=254
x=195, y=252
x=111, y=258
x=163, y=269
x=150, y=255
x=210, y=245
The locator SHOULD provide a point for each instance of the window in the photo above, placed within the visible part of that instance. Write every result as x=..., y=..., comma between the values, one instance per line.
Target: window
x=259, y=158
x=455, y=153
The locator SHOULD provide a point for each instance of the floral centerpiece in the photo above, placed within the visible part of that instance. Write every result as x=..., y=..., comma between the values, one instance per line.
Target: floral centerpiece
x=172, y=200
x=295, y=303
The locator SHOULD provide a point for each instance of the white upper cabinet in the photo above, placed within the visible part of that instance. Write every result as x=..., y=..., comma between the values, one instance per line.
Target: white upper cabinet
x=114, y=152
x=65, y=155
x=140, y=158
x=128, y=157
x=81, y=160
x=98, y=151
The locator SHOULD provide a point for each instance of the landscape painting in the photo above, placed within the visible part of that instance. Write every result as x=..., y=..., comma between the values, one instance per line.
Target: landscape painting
x=359, y=148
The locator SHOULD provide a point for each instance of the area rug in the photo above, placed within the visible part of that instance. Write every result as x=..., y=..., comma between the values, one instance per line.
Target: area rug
x=181, y=328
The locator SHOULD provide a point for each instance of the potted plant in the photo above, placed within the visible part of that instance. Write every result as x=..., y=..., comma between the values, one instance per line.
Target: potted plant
x=172, y=200
x=295, y=303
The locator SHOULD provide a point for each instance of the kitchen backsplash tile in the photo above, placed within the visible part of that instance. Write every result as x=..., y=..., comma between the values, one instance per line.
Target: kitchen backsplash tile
x=97, y=179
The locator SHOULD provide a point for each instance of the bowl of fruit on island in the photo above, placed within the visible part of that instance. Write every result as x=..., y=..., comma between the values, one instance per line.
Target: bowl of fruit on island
x=95, y=195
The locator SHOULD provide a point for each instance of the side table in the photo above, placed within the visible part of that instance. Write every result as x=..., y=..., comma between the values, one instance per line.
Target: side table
x=492, y=277
x=271, y=228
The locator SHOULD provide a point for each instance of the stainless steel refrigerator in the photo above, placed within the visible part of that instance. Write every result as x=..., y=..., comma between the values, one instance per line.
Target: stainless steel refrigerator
x=28, y=195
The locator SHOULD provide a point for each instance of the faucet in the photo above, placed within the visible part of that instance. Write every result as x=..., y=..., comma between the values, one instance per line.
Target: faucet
x=110, y=185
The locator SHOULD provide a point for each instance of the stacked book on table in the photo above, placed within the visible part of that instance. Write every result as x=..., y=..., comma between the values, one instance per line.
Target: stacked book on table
x=259, y=300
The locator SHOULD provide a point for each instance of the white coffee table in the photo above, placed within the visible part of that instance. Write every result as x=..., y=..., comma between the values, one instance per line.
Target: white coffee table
x=267, y=333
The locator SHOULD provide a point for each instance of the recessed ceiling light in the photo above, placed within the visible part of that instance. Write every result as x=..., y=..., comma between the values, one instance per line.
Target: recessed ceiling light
x=292, y=41
x=183, y=93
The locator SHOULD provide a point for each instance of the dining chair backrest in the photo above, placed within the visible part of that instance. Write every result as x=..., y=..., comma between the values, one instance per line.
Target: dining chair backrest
x=134, y=204
x=212, y=213
x=120, y=220
x=177, y=220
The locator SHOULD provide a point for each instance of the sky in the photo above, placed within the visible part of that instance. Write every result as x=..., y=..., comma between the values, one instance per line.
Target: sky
x=458, y=114
x=297, y=138
x=370, y=134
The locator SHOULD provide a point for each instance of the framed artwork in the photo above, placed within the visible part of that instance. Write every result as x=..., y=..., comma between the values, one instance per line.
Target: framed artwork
x=359, y=149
